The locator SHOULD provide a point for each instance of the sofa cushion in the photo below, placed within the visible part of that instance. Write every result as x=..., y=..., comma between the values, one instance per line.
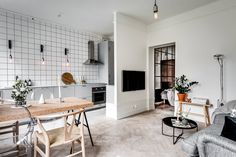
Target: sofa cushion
x=189, y=144
x=229, y=129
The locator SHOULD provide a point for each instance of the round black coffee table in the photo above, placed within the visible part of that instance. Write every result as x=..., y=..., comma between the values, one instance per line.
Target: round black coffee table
x=168, y=121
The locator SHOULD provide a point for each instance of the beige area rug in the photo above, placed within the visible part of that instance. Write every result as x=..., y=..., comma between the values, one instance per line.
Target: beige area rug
x=136, y=136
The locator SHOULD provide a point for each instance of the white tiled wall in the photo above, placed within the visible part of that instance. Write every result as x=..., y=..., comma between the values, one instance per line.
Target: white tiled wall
x=27, y=35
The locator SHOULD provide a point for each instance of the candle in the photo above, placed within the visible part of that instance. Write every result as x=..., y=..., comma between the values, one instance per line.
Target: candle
x=59, y=86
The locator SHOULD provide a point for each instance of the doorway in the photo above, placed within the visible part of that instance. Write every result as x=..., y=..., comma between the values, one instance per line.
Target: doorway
x=164, y=72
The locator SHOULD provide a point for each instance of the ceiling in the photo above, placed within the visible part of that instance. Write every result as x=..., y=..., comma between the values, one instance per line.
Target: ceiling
x=96, y=15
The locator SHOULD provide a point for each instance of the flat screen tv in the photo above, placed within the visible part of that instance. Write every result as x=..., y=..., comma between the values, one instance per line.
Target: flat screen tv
x=133, y=80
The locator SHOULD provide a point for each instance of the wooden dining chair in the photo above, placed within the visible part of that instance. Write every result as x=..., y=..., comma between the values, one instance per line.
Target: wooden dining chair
x=69, y=134
x=6, y=130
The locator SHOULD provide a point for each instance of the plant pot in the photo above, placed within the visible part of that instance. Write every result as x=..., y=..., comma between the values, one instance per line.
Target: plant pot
x=182, y=96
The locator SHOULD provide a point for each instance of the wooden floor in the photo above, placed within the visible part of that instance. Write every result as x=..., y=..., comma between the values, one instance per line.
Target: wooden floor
x=137, y=136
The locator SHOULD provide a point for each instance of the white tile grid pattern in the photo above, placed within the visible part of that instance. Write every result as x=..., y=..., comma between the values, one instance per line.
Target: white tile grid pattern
x=27, y=35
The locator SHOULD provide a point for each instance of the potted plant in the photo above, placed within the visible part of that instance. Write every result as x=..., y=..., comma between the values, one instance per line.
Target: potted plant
x=183, y=86
x=20, y=92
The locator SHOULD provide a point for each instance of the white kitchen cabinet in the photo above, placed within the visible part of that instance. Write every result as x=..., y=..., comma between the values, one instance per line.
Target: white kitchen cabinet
x=83, y=92
x=67, y=91
x=79, y=91
x=46, y=91
x=106, y=56
x=7, y=94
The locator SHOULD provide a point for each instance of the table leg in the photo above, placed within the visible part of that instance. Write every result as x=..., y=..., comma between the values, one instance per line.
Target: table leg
x=177, y=137
x=206, y=115
x=88, y=129
x=86, y=125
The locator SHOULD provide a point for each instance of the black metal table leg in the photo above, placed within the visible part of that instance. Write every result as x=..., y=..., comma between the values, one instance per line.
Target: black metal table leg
x=168, y=122
x=174, y=137
x=86, y=125
x=177, y=137
x=91, y=139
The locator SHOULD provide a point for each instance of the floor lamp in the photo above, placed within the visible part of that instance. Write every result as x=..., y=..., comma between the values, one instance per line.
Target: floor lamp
x=220, y=59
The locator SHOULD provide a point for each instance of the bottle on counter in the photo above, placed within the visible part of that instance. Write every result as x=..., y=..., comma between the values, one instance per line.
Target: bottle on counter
x=29, y=82
x=26, y=83
x=82, y=80
x=17, y=77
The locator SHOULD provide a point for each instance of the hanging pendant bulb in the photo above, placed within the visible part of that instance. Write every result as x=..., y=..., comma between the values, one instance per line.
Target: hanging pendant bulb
x=10, y=58
x=155, y=15
x=43, y=61
x=10, y=47
x=155, y=11
x=66, y=54
x=42, y=53
x=67, y=62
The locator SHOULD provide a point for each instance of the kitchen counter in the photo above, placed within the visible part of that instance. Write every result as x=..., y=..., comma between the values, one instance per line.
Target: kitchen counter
x=81, y=91
x=51, y=86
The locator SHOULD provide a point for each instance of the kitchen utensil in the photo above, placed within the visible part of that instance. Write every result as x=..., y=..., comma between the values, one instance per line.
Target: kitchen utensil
x=67, y=78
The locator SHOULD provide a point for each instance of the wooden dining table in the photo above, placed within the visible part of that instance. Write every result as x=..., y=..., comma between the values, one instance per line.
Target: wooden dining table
x=51, y=106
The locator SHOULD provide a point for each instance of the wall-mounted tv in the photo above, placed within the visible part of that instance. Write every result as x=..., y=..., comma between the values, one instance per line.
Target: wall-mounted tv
x=133, y=80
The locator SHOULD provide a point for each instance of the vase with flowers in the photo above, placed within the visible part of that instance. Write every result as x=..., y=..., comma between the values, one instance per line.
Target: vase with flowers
x=19, y=93
x=183, y=86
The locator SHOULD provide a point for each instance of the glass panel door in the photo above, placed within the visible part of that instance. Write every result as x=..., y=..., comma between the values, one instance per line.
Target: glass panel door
x=164, y=68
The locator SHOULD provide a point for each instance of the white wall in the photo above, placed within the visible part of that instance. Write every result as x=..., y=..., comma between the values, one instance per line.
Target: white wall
x=199, y=34
x=130, y=54
x=27, y=35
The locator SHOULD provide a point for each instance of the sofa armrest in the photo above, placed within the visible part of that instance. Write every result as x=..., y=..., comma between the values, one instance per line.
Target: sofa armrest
x=215, y=146
x=220, y=112
x=219, y=118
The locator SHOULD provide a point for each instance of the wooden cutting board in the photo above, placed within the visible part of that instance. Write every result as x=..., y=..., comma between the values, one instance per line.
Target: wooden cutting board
x=67, y=78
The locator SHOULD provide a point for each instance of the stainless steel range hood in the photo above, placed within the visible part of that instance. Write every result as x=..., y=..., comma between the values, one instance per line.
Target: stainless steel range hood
x=91, y=59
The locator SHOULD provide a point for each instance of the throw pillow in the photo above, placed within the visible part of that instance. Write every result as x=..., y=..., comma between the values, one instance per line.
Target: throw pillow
x=229, y=129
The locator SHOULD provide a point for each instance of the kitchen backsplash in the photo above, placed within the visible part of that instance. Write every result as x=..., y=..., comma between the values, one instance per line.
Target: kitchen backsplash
x=27, y=34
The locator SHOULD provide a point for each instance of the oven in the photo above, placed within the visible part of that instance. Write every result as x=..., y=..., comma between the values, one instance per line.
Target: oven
x=99, y=95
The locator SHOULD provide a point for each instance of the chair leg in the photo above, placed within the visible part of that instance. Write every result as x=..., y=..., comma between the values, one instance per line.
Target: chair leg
x=72, y=147
x=47, y=151
x=82, y=146
x=35, y=145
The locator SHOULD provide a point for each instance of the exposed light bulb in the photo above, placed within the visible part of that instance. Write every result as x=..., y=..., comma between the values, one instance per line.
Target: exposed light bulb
x=67, y=63
x=43, y=61
x=155, y=10
x=155, y=15
x=10, y=58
